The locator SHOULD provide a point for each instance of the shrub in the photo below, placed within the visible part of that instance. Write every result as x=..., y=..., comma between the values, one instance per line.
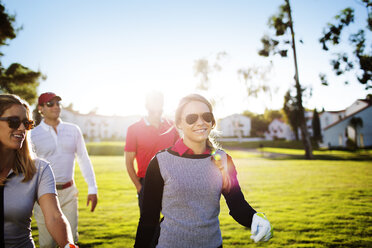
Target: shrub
x=105, y=148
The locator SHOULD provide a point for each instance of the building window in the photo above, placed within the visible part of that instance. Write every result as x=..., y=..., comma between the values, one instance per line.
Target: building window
x=340, y=140
x=361, y=140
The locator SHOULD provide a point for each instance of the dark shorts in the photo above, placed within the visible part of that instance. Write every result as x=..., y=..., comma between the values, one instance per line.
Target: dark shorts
x=140, y=194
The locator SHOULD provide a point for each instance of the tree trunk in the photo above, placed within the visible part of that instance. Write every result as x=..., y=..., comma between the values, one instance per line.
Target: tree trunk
x=296, y=134
x=304, y=133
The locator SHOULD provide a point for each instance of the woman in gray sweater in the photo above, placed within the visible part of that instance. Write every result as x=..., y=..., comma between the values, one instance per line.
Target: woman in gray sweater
x=185, y=183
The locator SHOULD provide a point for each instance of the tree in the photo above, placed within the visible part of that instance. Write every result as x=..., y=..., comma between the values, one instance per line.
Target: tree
x=356, y=123
x=255, y=79
x=317, y=135
x=290, y=109
x=270, y=115
x=359, y=61
x=283, y=25
x=204, y=67
x=16, y=79
x=259, y=125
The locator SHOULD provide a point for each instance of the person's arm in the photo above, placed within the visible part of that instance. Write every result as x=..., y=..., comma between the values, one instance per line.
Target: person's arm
x=56, y=223
x=239, y=208
x=151, y=206
x=130, y=149
x=87, y=170
x=129, y=162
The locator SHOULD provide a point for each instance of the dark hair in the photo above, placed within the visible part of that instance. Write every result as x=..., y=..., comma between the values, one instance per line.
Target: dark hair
x=24, y=163
x=210, y=142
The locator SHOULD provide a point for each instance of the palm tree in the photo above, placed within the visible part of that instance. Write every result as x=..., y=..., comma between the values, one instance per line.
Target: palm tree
x=355, y=123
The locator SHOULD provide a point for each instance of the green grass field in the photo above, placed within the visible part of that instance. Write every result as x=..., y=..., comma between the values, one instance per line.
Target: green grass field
x=319, y=203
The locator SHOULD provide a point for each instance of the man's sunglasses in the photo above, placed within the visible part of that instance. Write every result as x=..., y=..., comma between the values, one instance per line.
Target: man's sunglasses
x=14, y=122
x=192, y=118
x=52, y=103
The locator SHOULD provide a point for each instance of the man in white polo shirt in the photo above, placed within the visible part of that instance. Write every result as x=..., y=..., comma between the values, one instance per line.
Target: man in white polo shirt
x=58, y=142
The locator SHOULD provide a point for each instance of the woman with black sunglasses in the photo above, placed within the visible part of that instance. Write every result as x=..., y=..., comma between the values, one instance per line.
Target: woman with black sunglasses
x=185, y=183
x=24, y=180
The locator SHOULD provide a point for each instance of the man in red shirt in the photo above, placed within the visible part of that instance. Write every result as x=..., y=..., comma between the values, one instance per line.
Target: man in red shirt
x=145, y=138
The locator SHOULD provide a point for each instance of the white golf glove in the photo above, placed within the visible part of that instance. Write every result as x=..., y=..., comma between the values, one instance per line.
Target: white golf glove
x=261, y=228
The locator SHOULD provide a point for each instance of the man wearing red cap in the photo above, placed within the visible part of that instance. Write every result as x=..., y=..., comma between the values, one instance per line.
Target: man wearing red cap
x=59, y=142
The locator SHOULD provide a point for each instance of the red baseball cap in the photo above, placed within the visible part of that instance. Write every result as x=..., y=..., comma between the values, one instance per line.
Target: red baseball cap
x=47, y=96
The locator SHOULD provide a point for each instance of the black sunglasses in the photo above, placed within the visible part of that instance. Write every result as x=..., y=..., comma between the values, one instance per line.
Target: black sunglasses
x=192, y=118
x=52, y=103
x=14, y=122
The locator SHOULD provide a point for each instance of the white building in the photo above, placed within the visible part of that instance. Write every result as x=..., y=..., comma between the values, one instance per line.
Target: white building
x=98, y=127
x=337, y=133
x=235, y=125
x=356, y=106
x=329, y=117
x=278, y=129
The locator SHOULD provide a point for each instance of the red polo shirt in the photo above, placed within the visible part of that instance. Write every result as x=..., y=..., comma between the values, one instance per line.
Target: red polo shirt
x=181, y=148
x=146, y=140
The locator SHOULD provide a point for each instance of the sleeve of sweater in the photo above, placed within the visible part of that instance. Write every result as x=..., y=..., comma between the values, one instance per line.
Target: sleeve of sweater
x=151, y=206
x=239, y=208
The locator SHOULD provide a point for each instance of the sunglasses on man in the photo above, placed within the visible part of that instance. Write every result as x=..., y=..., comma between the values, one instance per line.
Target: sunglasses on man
x=192, y=118
x=14, y=122
x=52, y=103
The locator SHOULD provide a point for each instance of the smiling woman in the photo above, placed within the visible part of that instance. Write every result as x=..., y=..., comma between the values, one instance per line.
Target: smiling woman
x=24, y=180
x=185, y=182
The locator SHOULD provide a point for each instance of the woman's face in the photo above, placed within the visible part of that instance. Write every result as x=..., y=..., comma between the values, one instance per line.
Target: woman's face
x=13, y=138
x=198, y=131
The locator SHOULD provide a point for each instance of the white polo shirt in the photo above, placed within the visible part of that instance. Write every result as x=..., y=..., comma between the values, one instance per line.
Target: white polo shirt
x=60, y=149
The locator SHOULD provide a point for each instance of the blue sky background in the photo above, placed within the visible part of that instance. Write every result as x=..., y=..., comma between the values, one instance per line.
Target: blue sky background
x=108, y=54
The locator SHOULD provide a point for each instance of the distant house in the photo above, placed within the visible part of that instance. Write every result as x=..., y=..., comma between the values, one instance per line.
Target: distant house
x=278, y=129
x=309, y=123
x=329, y=117
x=336, y=134
x=356, y=106
x=235, y=125
x=99, y=127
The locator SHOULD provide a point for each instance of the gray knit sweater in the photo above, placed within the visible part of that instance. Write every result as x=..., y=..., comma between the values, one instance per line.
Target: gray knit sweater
x=191, y=202
x=187, y=190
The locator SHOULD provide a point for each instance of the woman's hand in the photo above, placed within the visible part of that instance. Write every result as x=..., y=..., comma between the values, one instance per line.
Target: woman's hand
x=261, y=228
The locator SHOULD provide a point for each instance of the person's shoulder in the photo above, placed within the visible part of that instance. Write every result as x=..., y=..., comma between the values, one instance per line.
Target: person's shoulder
x=137, y=124
x=68, y=125
x=165, y=151
x=222, y=153
x=136, y=127
x=41, y=164
x=167, y=121
x=36, y=129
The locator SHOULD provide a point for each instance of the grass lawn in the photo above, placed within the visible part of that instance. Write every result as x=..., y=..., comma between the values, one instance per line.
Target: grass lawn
x=319, y=203
x=320, y=154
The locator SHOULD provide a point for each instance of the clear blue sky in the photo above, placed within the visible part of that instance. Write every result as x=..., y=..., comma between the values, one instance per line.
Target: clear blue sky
x=108, y=54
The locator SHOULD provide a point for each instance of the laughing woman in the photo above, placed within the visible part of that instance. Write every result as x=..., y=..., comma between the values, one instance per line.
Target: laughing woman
x=24, y=180
x=185, y=183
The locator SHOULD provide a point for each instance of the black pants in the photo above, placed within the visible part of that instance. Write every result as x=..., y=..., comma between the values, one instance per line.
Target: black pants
x=140, y=194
